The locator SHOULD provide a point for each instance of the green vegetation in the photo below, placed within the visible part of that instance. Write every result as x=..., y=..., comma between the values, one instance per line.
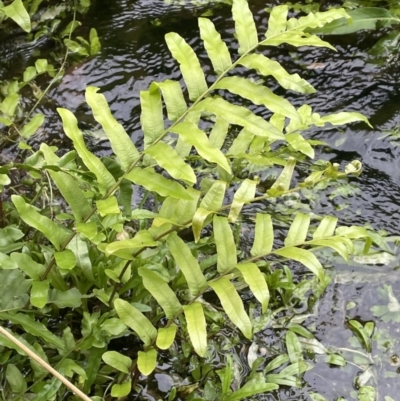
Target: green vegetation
x=105, y=290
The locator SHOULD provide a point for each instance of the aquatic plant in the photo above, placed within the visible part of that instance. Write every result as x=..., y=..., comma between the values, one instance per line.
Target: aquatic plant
x=167, y=273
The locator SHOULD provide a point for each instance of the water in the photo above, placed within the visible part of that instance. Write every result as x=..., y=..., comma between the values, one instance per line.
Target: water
x=134, y=54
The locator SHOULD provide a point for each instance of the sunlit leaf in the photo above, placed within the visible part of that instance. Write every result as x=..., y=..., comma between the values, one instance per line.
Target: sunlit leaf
x=17, y=12
x=245, y=26
x=298, y=230
x=196, y=326
x=264, y=235
x=147, y=361
x=117, y=361
x=166, y=336
x=244, y=194
x=226, y=248
x=326, y=227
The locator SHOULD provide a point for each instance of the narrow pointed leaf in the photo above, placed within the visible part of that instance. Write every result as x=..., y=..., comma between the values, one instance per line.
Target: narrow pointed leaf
x=121, y=143
x=226, y=247
x=343, y=246
x=189, y=65
x=277, y=21
x=217, y=50
x=166, y=336
x=135, y=320
x=233, y=305
x=326, y=227
x=155, y=182
x=298, y=230
x=147, y=361
x=282, y=184
x=245, y=26
x=264, y=235
x=15, y=379
x=160, y=290
x=265, y=66
x=305, y=257
x=17, y=12
x=173, y=98
x=240, y=116
x=344, y=118
x=293, y=347
x=167, y=158
x=300, y=144
x=194, y=136
x=250, y=389
x=258, y=94
x=256, y=281
x=241, y=143
x=276, y=363
x=151, y=117
x=219, y=133
x=196, y=326
x=244, y=194
x=187, y=263
x=117, y=361
x=105, y=180
x=55, y=233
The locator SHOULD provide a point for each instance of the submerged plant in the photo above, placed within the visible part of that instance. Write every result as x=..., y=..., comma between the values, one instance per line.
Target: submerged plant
x=166, y=275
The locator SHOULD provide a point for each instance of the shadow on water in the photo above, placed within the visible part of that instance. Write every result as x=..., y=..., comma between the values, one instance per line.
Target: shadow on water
x=134, y=54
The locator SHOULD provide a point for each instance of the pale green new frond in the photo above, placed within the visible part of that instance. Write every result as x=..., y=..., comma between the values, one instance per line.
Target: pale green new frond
x=173, y=98
x=189, y=65
x=196, y=327
x=245, y=26
x=298, y=230
x=245, y=193
x=326, y=227
x=226, y=248
x=264, y=235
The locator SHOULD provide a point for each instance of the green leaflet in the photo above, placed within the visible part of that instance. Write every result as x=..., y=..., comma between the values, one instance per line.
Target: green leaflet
x=28, y=265
x=189, y=65
x=265, y=66
x=282, y=184
x=226, y=248
x=277, y=21
x=250, y=389
x=154, y=182
x=117, y=361
x=107, y=206
x=105, y=179
x=298, y=230
x=194, y=136
x=187, y=263
x=244, y=194
x=147, y=361
x=196, y=326
x=305, y=257
x=240, y=116
x=160, y=290
x=32, y=327
x=121, y=143
x=39, y=293
x=341, y=118
x=218, y=133
x=166, y=336
x=264, y=235
x=300, y=144
x=68, y=186
x=211, y=203
x=173, y=98
x=326, y=227
x=15, y=379
x=121, y=390
x=343, y=246
x=55, y=233
x=256, y=281
x=245, y=27
x=125, y=248
x=217, y=50
x=151, y=117
x=17, y=12
x=293, y=347
x=241, y=143
x=135, y=319
x=258, y=94
x=233, y=305
x=30, y=128
x=276, y=363
x=167, y=158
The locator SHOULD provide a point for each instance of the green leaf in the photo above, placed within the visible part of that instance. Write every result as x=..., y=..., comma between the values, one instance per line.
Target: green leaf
x=293, y=347
x=343, y=246
x=265, y=66
x=56, y=234
x=250, y=389
x=240, y=116
x=157, y=183
x=244, y=194
x=260, y=95
x=147, y=361
x=194, y=136
x=300, y=144
x=39, y=293
x=341, y=118
x=135, y=319
x=219, y=133
x=160, y=290
x=68, y=186
x=121, y=143
x=326, y=227
x=298, y=230
x=117, y=361
x=217, y=50
x=166, y=336
x=32, y=327
x=107, y=206
x=196, y=327
x=276, y=363
x=277, y=21
x=30, y=128
x=15, y=379
x=28, y=265
x=17, y=12
x=167, y=158
x=305, y=257
x=264, y=235
x=151, y=117
x=65, y=299
x=9, y=104
x=366, y=393
x=65, y=259
x=256, y=281
x=189, y=65
x=187, y=263
x=233, y=305
x=105, y=179
x=226, y=247
x=121, y=390
x=245, y=27
x=317, y=397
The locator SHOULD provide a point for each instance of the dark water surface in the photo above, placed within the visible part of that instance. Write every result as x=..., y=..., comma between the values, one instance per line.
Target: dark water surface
x=134, y=54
